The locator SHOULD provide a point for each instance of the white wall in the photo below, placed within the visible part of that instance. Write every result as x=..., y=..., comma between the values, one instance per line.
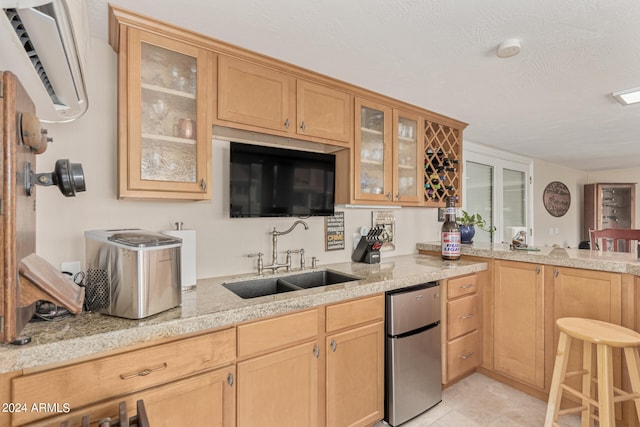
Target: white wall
x=565, y=230
x=222, y=243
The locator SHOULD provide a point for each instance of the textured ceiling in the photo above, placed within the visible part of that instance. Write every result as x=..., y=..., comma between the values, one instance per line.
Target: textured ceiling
x=552, y=101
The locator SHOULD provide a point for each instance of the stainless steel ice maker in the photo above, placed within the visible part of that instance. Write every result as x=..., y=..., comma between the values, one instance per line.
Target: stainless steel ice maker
x=132, y=273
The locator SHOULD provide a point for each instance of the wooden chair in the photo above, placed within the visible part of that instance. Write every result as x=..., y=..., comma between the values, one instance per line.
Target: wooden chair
x=614, y=239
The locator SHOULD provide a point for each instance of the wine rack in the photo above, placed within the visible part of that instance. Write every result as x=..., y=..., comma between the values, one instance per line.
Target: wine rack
x=442, y=164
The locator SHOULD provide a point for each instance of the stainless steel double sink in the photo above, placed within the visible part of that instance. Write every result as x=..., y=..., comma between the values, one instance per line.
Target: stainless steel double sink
x=276, y=285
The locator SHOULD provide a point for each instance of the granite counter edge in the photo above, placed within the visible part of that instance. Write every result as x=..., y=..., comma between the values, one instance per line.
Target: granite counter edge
x=35, y=356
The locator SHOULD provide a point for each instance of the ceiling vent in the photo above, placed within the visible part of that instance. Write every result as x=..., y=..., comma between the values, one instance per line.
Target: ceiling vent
x=45, y=46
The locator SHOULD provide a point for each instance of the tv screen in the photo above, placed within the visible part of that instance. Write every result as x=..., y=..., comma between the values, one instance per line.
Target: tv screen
x=272, y=182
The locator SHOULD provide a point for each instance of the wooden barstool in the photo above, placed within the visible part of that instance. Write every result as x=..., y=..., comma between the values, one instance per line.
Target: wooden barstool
x=605, y=336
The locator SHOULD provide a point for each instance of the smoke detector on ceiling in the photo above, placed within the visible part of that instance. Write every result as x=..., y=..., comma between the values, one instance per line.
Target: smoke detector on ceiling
x=508, y=48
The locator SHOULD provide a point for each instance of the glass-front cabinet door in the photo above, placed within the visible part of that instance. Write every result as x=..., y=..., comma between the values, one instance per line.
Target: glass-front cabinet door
x=169, y=132
x=407, y=147
x=373, y=151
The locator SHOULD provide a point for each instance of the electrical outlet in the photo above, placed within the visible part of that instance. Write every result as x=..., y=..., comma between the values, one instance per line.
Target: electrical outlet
x=72, y=267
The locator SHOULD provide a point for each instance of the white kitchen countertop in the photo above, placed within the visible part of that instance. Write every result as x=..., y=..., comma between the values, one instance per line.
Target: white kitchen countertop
x=210, y=305
x=616, y=262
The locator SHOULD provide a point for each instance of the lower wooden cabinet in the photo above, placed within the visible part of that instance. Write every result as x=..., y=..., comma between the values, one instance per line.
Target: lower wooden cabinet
x=183, y=391
x=594, y=295
x=462, y=356
x=355, y=376
x=117, y=377
x=331, y=371
x=280, y=388
x=461, y=318
x=518, y=332
x=208, y=398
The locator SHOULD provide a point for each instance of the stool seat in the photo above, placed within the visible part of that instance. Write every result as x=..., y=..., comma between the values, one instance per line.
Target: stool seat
x=599, y=332
x=601, y=337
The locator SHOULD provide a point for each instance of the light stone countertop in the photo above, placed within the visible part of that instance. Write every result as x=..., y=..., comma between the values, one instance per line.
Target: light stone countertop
x=210, y=305
x=615, y=262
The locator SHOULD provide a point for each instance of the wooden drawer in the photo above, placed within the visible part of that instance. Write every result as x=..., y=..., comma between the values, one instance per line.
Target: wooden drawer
x=88, y=382
x=462, y=286
x=352, y=313
x=280, y=331
x=462, y=316
x=463, y=355
x=186, y=402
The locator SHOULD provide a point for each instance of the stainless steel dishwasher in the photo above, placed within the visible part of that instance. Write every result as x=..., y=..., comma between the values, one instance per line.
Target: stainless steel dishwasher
x=413, y=370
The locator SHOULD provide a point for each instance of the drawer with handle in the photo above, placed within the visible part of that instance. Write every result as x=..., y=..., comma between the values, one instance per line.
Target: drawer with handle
x=462, y=286
x=356, y=312
x=88, y=382
x=462, y=316
x=463, y=355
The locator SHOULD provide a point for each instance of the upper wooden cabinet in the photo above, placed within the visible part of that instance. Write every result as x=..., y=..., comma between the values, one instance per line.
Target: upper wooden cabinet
x=405, y=156
x=372, y=152
x=260, y=97
x=255, y=95
x=324, y=112
x=164, y=134
x=387, y=155
x=408, y=134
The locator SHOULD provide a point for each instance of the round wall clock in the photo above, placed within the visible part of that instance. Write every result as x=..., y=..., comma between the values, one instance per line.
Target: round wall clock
x=556, y=198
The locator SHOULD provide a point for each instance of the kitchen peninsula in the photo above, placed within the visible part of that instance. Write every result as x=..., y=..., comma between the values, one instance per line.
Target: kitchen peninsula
x=525, y=292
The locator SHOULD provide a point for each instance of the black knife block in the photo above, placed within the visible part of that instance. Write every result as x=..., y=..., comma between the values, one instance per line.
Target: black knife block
x=365, y=251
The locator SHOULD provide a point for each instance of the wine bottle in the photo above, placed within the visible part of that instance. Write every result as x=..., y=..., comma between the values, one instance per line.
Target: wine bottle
x=450, y=236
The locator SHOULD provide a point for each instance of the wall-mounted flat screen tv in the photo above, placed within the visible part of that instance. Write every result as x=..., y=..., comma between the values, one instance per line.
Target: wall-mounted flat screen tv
x=273, y=182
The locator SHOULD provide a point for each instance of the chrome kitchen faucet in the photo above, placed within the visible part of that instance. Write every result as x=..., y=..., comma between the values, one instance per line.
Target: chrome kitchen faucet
x=274, y=243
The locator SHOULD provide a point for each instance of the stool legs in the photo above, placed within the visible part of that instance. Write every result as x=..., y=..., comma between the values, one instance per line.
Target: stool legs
x=587, y=390
x=606, y=413
x=633, y=365
x=555, y=393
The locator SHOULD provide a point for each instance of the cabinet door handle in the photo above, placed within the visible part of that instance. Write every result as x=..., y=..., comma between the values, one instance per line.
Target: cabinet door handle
x=389, y=195
x=203, y=185
x=466, y=356
x=303, y=126
x=334, y=345
x=144, y=372
x=230, y=379
x=467, y=317
x=316, y=351
x=555, y=272
x=286, y=123
x=538, y=270
x=398, y=196
x=467, y=286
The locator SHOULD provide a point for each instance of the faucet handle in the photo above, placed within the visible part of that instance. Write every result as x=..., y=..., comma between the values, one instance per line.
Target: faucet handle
x=260, y=265
x=314, y=262
x=302, y=263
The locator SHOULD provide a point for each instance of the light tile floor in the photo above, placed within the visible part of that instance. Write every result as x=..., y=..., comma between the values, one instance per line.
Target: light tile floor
x=479, y=401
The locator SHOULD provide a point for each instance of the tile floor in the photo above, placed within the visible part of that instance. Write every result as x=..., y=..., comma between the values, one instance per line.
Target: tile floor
x=478, y=401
